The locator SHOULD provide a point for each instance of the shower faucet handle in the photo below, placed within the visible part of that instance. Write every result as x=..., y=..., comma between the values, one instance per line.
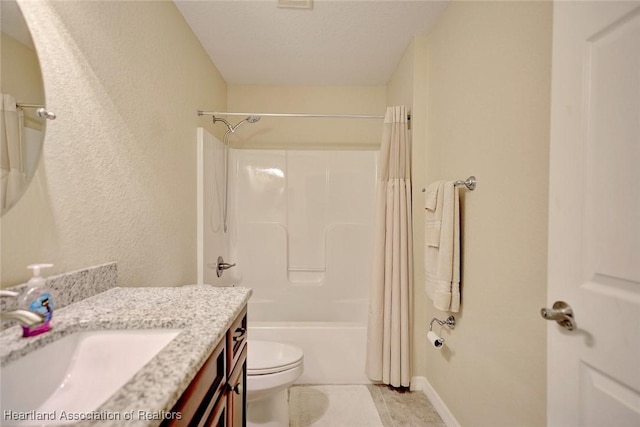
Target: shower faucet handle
x=221, y=266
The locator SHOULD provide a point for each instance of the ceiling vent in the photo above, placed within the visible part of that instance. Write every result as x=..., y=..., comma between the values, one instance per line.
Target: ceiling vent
x=296, y=4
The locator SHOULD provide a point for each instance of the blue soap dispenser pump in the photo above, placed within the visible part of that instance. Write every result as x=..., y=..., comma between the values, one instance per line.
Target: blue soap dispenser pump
x=37, y=298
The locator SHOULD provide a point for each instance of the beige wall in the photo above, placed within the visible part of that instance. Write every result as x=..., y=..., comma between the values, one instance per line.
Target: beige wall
x=300, y=133
x=488, y=96
x=117, y=180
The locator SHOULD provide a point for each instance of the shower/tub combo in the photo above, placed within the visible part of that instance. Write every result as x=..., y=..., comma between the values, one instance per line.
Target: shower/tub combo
x=299, y=228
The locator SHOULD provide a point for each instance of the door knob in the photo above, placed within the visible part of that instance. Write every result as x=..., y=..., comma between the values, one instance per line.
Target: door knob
x=562, y=313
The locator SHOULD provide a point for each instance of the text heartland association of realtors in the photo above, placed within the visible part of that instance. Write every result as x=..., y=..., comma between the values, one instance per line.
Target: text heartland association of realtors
x=9, y=415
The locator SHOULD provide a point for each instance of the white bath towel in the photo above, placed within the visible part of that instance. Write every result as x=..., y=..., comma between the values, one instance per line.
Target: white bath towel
x=442, y=260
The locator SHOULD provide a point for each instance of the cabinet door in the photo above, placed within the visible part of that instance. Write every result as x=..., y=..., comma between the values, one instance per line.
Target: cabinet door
x=219, y=415
x=198, y=400
x=237, y=392
x=236, y=338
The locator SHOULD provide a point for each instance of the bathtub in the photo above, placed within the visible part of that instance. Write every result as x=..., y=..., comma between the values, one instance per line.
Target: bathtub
x=334, y=352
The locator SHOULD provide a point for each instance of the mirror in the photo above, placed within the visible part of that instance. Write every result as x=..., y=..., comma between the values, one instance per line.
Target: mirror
x=22, y=102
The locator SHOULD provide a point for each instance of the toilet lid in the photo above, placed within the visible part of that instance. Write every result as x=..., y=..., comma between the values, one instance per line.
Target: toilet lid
x=265, y=357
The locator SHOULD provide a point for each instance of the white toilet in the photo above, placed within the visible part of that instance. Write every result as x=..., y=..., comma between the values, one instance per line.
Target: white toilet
x=271, y=368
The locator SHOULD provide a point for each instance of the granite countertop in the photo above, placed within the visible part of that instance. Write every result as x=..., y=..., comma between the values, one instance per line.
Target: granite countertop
x=204, y=313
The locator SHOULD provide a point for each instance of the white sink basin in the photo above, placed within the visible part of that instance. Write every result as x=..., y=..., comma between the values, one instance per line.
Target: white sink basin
x=77, y=373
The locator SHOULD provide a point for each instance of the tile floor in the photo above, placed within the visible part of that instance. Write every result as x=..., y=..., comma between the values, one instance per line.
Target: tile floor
x=404, y=408
x=396, y=408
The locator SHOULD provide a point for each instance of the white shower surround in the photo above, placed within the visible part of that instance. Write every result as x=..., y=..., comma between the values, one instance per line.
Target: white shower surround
x=300, y=231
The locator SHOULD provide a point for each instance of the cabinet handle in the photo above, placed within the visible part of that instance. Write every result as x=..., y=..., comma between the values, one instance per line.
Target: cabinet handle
x=239, y=334
x=237, y=389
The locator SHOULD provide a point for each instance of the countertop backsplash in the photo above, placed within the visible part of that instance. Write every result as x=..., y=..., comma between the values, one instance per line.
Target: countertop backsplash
x=69, y=288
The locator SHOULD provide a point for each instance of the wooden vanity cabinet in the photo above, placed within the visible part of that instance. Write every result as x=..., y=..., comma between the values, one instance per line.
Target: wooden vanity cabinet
x=237, y=378
x=217, y=395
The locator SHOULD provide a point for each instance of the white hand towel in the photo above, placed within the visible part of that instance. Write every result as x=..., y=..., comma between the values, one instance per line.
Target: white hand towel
x=433, y=213
x=442, y=262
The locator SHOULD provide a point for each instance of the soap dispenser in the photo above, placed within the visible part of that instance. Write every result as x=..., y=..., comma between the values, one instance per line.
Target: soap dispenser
x=37, y=298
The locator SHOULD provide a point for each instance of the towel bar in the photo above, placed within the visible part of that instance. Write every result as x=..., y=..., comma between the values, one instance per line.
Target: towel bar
x=470, y=183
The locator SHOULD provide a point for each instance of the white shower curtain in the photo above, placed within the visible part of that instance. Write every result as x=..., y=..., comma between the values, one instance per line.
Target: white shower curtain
x=390, y=305
x=13, y=179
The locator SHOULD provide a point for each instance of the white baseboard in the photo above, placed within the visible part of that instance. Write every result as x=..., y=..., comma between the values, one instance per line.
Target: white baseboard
x=422, y=384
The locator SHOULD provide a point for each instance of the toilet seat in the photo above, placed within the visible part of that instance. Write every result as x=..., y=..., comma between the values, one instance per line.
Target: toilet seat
x=266, y=357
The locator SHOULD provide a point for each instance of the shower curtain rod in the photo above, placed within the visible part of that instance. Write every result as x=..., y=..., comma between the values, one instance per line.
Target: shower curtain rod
x=332, y=116
x=21, y=105
x=40, y=112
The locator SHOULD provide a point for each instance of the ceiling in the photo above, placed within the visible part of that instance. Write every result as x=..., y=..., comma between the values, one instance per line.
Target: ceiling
x=335, y=43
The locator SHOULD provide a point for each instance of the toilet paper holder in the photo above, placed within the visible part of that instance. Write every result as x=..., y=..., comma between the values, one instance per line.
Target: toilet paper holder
x=450, y=322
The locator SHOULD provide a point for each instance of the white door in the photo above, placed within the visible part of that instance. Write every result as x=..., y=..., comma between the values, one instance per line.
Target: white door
x=594, y=215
